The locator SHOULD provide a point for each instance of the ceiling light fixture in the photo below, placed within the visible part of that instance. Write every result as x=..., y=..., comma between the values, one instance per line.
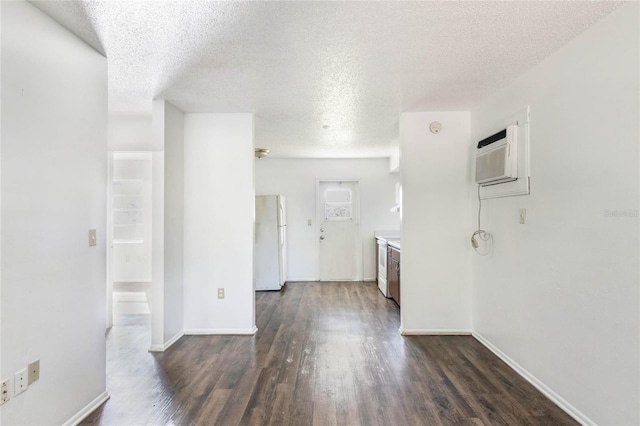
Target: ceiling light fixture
x=261, y=152
x=326, y=126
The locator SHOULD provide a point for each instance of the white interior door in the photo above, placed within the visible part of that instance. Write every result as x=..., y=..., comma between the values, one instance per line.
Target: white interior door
x=338, y=212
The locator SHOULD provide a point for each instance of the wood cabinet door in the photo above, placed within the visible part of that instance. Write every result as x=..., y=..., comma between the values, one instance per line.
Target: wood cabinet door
x=393, y=278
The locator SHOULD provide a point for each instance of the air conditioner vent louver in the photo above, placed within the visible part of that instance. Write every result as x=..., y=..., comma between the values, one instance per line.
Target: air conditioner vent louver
x=496, y=158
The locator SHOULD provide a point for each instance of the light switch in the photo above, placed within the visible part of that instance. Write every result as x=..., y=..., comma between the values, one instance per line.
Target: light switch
x=523, y=216
x=93, y=239
x=34, y=372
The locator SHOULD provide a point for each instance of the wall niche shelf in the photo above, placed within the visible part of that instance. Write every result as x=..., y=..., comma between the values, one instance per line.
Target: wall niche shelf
x=127, y=212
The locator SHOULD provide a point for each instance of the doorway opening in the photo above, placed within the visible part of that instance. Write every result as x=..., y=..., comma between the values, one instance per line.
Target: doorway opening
x=338, y=238
x=129, y=249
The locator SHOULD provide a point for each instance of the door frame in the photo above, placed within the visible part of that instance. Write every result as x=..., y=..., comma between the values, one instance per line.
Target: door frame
x=109, y=299
x=359, y=248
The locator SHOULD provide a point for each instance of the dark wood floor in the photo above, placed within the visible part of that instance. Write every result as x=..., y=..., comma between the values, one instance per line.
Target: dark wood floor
x=325, y=353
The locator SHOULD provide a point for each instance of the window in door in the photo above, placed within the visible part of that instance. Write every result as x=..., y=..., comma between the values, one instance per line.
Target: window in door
x=338, y=205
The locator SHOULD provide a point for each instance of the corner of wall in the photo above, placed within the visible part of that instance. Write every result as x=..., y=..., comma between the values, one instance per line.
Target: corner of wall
x=436, y=224
x=174, y=224
x=157, y=223
x=394, y=161
x=218, y=250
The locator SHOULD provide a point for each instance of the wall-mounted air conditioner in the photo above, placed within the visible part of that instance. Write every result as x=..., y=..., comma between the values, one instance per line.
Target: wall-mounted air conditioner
x=497, y=159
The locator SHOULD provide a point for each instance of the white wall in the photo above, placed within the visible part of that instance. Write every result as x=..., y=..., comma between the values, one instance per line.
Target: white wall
x=1, y=84
x=130, y=133
x=167, y=288
x=218, y=223
x=559, y=296
x=54, y=146
x=435, y=272
x=394, y=161
x=156, y=304
x=296, y=180
x=173, y=223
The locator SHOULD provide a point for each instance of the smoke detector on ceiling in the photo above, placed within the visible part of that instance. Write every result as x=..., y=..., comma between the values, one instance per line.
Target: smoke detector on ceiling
x=435, y=127
x=261, y=152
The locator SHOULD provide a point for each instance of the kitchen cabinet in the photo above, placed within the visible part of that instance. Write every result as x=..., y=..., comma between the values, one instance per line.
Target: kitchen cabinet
x=382, y=240
x=393, y=272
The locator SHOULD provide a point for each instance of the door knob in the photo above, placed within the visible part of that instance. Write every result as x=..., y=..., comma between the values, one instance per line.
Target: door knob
x=321, y=237
x=321, y=229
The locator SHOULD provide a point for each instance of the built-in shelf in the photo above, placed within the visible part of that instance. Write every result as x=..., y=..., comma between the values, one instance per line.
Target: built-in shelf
x=127, y=211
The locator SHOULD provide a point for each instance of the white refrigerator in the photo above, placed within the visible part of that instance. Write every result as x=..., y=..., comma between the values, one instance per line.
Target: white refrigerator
x=270, y=257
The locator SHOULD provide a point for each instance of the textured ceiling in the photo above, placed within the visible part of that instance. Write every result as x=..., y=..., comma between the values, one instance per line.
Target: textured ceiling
x=302, y=66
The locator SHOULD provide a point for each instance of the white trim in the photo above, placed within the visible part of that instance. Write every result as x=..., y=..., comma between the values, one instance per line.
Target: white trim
x=434, y=332
x=136, y=154
x=370, y=280
x=174, y=339
x=221, y=331
x=168, y=343
x=109, y=283
x=546, y=391
x=88, y=409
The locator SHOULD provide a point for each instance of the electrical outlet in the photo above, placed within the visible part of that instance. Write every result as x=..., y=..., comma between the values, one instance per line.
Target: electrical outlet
x=20, y=382
x=34, y=371
x=221, y=293
x=523, y=216
x=5, y=395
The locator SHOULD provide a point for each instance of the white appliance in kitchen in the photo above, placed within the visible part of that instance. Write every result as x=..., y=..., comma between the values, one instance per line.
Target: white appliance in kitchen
x=382, y=237
x=270, y=257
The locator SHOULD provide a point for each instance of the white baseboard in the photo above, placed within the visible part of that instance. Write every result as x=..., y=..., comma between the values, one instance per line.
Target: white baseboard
x=174, y=339
x=168, y=344
x=88, y=409
x=434, y=332
x=547, y=391
x=221, y=331
x=311, y=280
